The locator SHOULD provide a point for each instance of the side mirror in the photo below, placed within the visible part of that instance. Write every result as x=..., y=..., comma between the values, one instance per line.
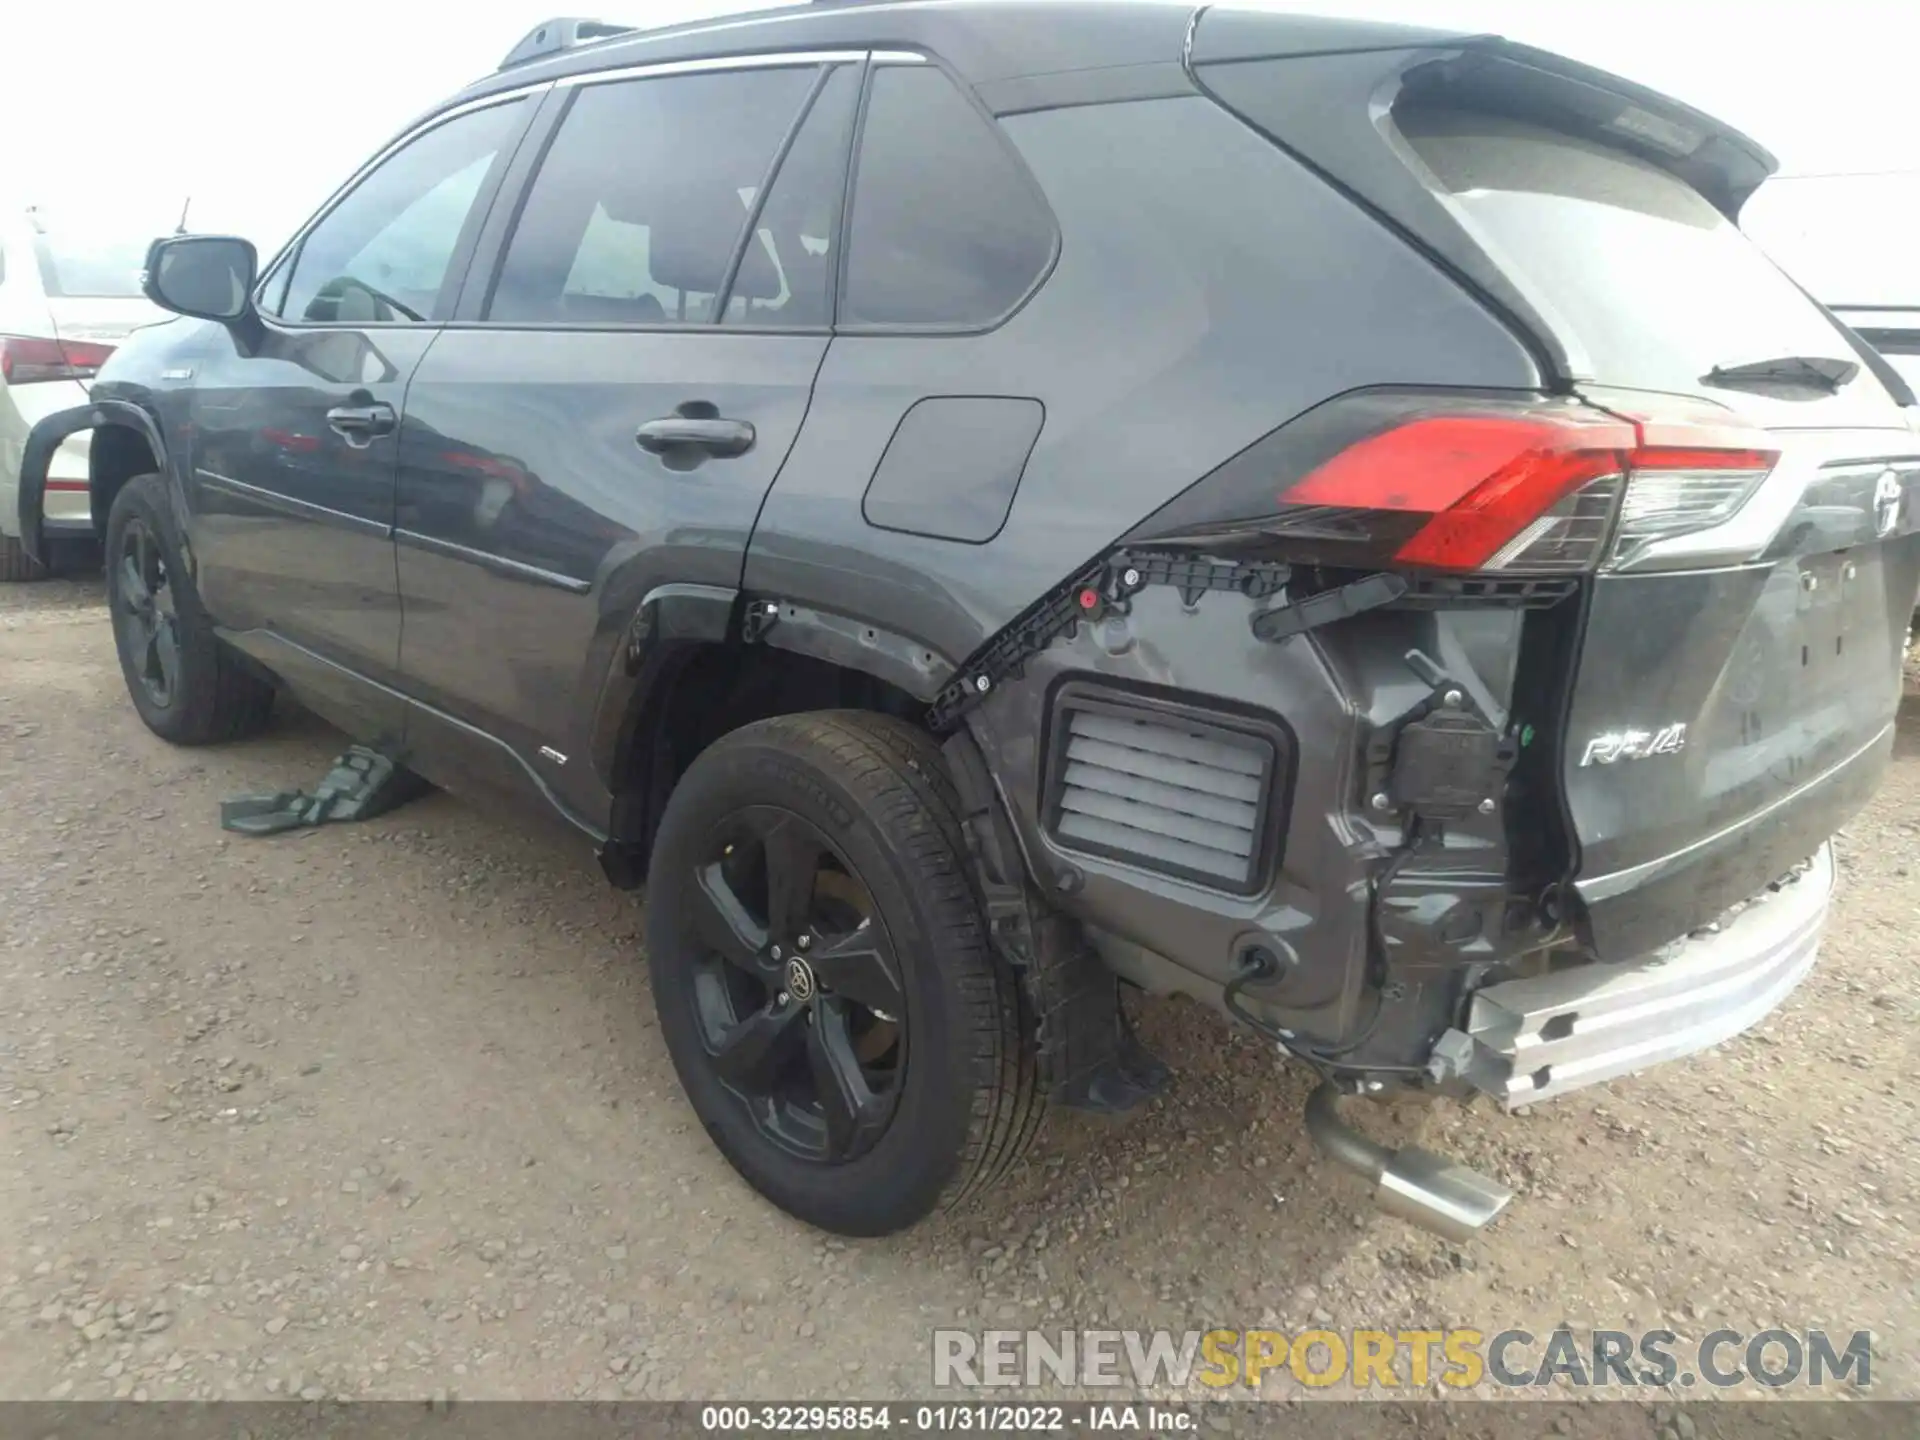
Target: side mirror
x=207, y=276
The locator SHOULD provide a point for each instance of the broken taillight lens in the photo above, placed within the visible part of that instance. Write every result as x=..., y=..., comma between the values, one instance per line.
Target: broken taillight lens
x=1395, y=480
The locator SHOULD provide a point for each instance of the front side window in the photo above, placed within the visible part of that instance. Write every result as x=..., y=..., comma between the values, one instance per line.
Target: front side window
x=946, y=229
x=382, y=255
x=643, y=196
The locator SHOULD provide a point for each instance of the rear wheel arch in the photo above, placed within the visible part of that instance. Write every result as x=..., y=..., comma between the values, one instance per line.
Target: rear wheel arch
x=685, y=695
x=127, y=443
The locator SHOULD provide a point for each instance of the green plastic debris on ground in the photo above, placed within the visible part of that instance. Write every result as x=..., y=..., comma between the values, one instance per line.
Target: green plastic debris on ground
x=362, y=783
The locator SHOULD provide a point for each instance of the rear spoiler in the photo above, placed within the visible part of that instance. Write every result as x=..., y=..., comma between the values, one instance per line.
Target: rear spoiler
x=1489, y=73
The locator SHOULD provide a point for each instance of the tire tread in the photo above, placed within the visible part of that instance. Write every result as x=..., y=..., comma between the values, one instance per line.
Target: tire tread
x=905, y=774
x=980, y=1099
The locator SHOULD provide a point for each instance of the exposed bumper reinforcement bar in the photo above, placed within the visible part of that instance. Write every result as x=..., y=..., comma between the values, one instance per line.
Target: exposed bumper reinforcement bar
x=1542, y=1036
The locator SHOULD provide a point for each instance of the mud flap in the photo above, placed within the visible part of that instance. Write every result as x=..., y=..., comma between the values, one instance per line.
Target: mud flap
x=362, y=784
x=1089, y=1056
x=1090, y=1059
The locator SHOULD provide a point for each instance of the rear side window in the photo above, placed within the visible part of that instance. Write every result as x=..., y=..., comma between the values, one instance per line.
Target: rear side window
x=382, y=254
x=1654, y=283
x=636, y=210
x=946, y=228
x=786, y=274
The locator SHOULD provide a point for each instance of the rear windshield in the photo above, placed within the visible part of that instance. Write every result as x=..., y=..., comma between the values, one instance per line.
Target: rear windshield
x=1633, y=265
x=87, y=267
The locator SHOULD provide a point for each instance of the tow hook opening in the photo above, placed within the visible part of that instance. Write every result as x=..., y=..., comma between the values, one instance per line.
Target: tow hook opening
x=1419, y=1186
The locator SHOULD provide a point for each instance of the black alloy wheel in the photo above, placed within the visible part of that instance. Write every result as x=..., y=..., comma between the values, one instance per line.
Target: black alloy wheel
x=821, y=970
x=186, y=684
x=798, y=992
x=145, y=614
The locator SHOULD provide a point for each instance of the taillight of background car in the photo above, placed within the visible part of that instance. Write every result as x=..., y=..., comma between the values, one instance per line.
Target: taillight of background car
x=26, y=359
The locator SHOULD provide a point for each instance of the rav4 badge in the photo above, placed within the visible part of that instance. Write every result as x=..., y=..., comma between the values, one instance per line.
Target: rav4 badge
x=1634, y=745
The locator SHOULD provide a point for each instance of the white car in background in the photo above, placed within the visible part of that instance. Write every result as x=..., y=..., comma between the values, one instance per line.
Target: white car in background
x=68, y=294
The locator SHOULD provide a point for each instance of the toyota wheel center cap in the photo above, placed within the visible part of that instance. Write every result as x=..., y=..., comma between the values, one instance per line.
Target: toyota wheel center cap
x=800, y=982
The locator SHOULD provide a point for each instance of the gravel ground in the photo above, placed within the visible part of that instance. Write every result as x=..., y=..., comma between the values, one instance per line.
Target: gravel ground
x=379, y=1111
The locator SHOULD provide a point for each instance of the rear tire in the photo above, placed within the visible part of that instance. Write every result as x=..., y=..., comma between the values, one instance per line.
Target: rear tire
x=16, y=564
x=187, y=686
x=947, y=1077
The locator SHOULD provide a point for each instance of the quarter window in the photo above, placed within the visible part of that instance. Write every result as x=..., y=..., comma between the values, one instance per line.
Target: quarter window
x=946, y=229
x=643, y=196
x=382, y=255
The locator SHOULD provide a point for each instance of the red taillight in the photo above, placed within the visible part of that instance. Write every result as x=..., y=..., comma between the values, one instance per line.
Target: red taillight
x=1531, y=491
x=1482, y=478
x=1437, y=461
x=85, y=357
x=26, y=359
x=1432, y=480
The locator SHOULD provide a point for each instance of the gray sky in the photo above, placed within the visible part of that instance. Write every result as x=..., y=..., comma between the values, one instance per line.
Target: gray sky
x=259, y=109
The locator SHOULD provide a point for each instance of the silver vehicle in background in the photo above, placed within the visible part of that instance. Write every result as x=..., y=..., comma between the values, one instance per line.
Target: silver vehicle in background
x=69, y=293
x=1893, y=330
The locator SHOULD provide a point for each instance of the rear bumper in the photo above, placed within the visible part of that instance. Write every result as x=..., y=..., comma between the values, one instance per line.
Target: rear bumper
x=1535, y=1038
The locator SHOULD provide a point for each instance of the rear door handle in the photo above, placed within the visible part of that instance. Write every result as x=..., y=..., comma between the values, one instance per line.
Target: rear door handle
x=359, y=424
x=678, y=435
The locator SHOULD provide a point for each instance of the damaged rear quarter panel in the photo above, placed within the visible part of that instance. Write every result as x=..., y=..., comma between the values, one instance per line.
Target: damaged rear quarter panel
x=1203, y=655
x=1208, y=290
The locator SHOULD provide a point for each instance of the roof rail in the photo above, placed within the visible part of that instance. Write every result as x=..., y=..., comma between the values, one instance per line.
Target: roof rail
x=561, y=33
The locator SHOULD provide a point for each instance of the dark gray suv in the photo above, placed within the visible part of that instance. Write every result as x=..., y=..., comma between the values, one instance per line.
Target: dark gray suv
x=982, y=504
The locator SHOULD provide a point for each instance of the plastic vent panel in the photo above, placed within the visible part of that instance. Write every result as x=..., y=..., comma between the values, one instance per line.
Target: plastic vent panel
x=1164, y=788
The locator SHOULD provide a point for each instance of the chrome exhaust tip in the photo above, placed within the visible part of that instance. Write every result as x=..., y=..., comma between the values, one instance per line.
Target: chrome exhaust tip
x=1419, y=1186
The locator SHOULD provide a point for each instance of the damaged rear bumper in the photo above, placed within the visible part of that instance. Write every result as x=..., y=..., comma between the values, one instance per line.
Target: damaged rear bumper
x=1542, y=1036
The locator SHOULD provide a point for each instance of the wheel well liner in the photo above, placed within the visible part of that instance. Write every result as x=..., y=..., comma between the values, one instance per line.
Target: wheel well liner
x=121, y=449
x=687, y=693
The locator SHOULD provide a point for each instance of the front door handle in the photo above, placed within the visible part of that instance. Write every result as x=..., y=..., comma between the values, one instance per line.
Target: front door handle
x=692, y=436
x=359, y=424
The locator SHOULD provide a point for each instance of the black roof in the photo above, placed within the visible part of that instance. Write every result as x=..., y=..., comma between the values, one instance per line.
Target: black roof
x=985, y=40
